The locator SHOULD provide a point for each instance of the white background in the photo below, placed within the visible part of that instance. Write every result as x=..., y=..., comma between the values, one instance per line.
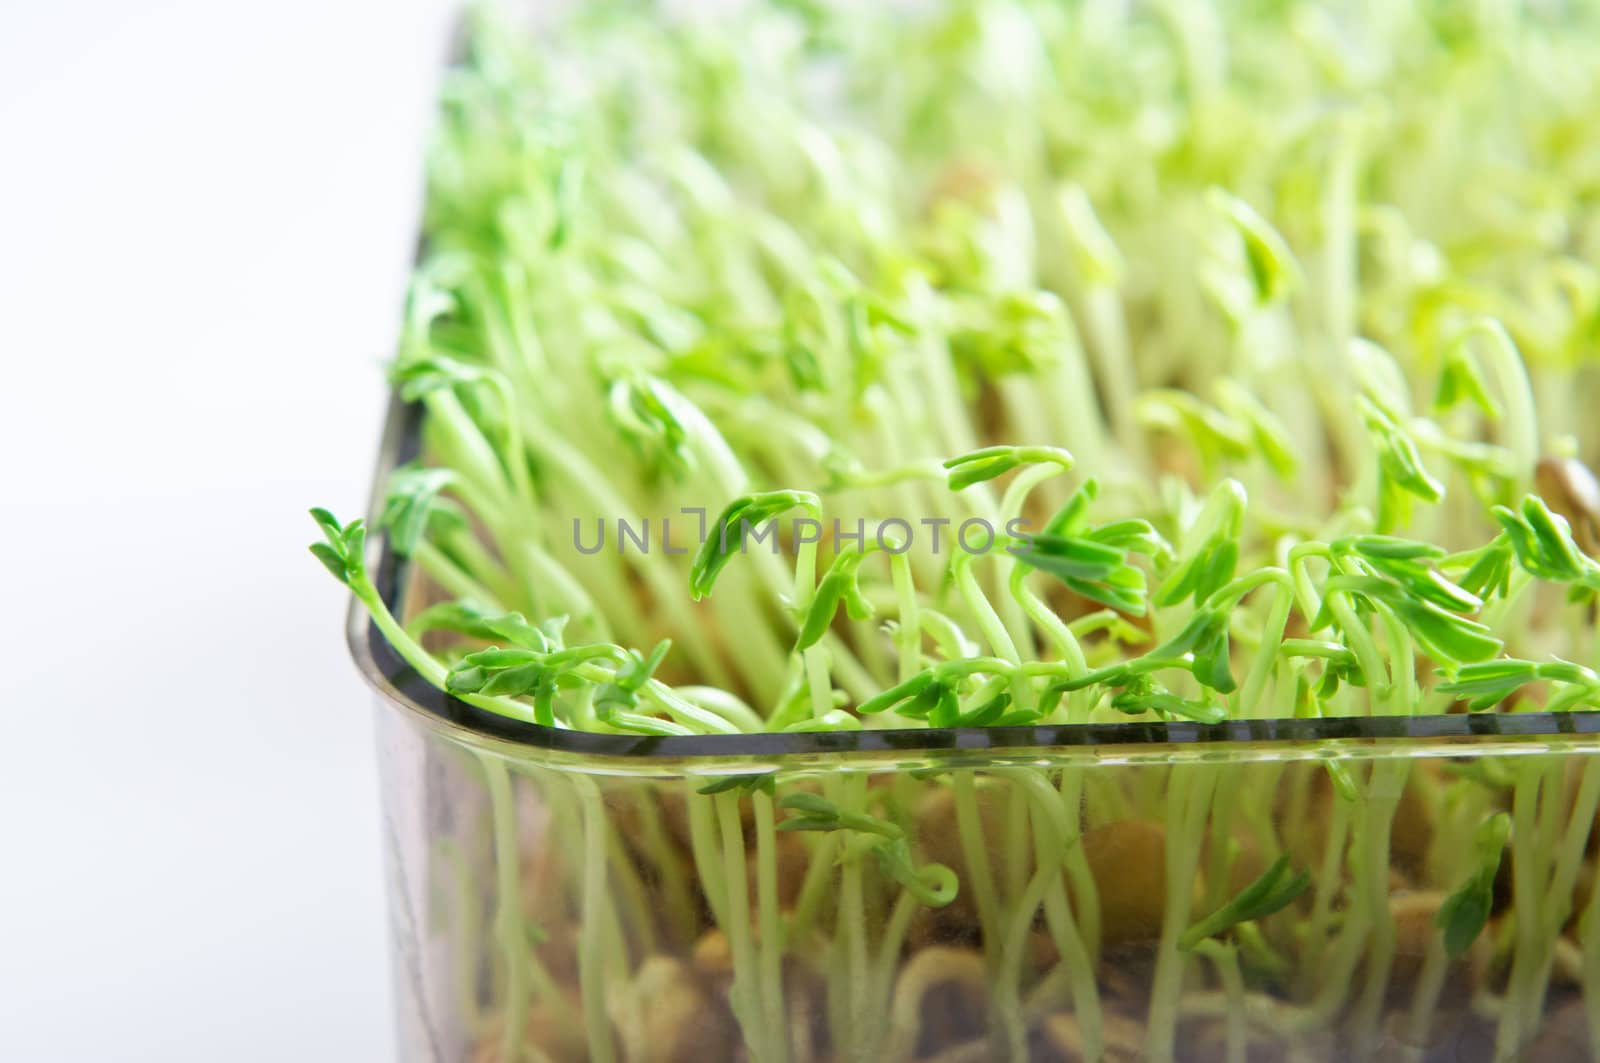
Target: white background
x=206, y=214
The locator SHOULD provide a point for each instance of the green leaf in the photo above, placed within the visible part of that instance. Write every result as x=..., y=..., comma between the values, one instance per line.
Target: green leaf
x=764, y=782
x=814, y=804
x=1070, y=558
x=1218, y=571
x=727, y=534
x=1181, y=582
x=1123, y=589
x=495, y=658
x=1466, y=912
x=1132, y=535
x=1445, y=636
x=465, y=679
x=1211, y=664
x=1488, y=683
x=987, y=713
x=809, y=823
x=639, y=670
x=413, y=494
x=1214, y=434
x=355, y=544
x=1272, y=266
x=1398, y=458
x=831, y=589
x=1490, y=573
x=1461, y=379
x=1430, y=585
x=924, y=702
x=1093, y=562
x=551, y=628
x=612, y=698
x=642, y=409
x=1462, y=917
x=1201, y=629
x=332, y=561
x=1387, y=548
x=331, y=528
x=1275, y=889
x=1202, y=575
x=990, y=462
x=896, y=694
x=1143, y=694
x=947, y=710
x=1095, y=257
x=343, y=552
x=1269, y=434
x=513, y=682
x=1071, y=518
x=515, y=629
x=1425, y=582
x=980, y=465
x=1502, y=676
x=1544, y=543
x=418, y=377
x=466, y=617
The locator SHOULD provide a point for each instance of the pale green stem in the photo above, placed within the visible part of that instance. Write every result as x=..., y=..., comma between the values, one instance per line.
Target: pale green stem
x=452, y=578
x=1006, y=986
x=1521, y=420
x=1226, y=960
x=677, y=894
x=509, y=926
x=746, y=992
x=639, y=903
x=850, y=943
x=703, y=845
x=1589, y=942
x=1383, y=797
x=770, y=944
x=973, y=838
x=714, y=699
x=593, y=978
x=1085, y=891
x=888, y=964
x=813, y=889
x=1402, y=664
x=1075, y=957
x=908, y=636
x=983, y=613
x=464, y=932
x=1327, y=879
x=1248, y=701
x=1188, y=804
x=1430, y=985
x=818, y=681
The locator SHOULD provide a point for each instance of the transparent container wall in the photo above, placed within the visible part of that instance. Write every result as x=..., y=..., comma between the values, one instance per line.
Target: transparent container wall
x=1047, y=906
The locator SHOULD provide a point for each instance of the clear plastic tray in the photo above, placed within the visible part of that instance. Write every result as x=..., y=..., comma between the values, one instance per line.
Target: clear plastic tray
x=559, y=895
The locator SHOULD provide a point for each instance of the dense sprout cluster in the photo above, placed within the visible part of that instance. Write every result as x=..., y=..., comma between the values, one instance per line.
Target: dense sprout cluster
x=1255, y=345
x=1225, y=326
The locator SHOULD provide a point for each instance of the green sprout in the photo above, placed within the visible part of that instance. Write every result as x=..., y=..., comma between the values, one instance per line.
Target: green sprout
x=1488, y=683
x=932, y=884
x=1466, y=912
x=1272, y=891
x=1093, y=561
x=990, y=462
x=729, y=532
x=342, y=549
x=1544, y=547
